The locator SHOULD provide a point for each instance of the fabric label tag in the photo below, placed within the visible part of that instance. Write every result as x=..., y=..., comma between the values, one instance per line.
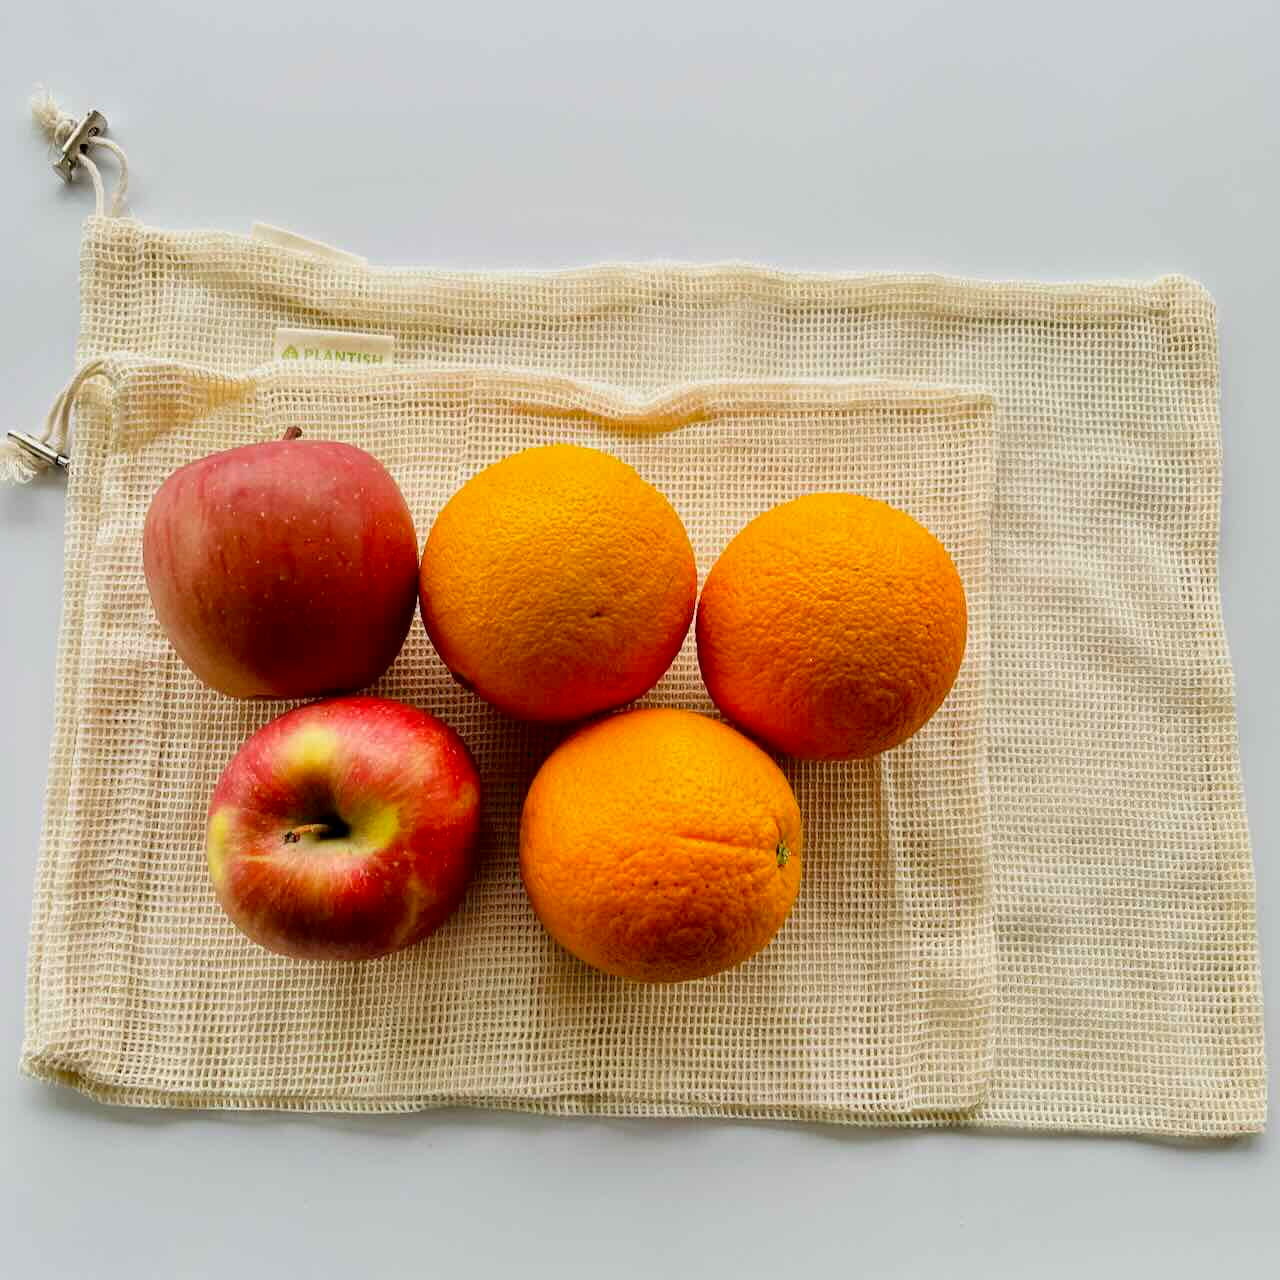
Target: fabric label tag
x=334, y=346
x=283, y=239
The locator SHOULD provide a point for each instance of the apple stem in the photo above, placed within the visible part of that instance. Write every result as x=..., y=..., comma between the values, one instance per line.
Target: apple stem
x=294, y=834
x=291, y=433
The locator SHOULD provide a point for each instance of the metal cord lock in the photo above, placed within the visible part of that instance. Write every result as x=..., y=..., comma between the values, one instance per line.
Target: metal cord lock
x=77, y=144
x=38, y=449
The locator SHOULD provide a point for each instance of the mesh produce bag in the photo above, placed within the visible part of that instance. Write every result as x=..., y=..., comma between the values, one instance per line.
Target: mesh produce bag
x=1038, y=913
x=874, y=1000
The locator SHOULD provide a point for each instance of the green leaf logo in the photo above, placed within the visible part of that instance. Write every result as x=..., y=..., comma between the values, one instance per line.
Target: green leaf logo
x=289, y=353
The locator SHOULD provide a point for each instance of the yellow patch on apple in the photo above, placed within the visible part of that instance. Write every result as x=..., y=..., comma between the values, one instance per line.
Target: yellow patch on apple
x=311, y=750
x=219, y=827
x=378, y=825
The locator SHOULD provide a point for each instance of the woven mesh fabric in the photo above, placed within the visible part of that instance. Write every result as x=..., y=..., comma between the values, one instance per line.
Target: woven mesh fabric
x=1126, y=972
x=875, y=998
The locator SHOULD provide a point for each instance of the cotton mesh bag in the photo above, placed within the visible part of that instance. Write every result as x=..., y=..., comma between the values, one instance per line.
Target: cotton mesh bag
x=874, y=1000
x=1037, y=913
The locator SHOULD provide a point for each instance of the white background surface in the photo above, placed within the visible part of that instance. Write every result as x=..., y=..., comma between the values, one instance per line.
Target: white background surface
x=1082, y=140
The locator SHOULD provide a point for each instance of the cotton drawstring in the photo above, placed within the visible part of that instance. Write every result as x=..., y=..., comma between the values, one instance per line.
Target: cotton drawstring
x=57, y=126
x=23, y=457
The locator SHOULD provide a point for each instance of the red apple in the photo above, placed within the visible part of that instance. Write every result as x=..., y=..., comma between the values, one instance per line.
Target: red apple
x=283, y=570
x=345, y=829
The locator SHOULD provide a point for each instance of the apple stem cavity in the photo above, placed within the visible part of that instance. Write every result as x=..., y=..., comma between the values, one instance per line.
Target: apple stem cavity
x=294, y=834
x=291, y=433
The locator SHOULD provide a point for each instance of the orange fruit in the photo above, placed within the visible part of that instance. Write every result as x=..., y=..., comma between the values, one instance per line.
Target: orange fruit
x=660, y=845
x=832, y=626
x=557, y=583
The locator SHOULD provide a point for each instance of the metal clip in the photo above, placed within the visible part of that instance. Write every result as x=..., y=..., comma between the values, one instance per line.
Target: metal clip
x=77, y=144
x=38, y=449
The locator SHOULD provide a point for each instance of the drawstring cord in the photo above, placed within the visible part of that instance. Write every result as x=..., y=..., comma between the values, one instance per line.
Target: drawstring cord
x=58, y=126
x=24, y=456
